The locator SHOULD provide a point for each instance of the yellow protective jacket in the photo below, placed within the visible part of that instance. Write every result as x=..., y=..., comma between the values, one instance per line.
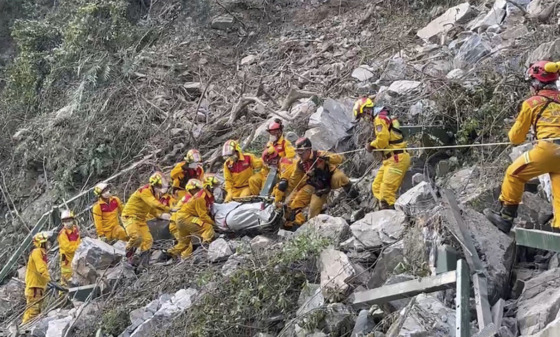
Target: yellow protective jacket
x=386, y=136
x=546, y=122
x=181, y=174
x=168, y=200
x=69, y=240
x=316, y=171
x=106, y=214
x=196, y=208
x=37, y=272
x=141, y=202
x=284, y=147
x=237, y=174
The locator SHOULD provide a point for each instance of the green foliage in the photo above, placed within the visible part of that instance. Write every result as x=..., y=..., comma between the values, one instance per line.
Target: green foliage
x=114, y=321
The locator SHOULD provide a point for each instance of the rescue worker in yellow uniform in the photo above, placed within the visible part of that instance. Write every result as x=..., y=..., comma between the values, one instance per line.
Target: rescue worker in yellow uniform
x=542, y=112
x=189, y=168
x=239, y=167
x=315, y=175
x=168, y=200
x=278, y=145
x=106, y=212
x=192, y=218
x=389, y=138
x=68, y=241
x=285, y=167
x=140, y=203
x=36, y=277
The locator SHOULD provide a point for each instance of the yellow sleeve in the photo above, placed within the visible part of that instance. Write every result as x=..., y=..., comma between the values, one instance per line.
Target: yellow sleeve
x=228, y=182
x=289, y=149
x=177, y=174
x=75, y=244
x=519, y=131
x=334, y=158
x=149, y=199
x=202, y=210
x=40, y=264
x=98, y=217
x=256, y=163
x=298, y=178
x=382, y=135
x=63, y=243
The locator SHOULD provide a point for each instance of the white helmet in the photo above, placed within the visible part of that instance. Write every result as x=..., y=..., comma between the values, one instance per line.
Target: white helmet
x=67, y=214
x=99, y=188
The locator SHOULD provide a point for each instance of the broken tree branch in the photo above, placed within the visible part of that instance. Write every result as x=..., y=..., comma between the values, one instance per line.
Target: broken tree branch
x=293, y=95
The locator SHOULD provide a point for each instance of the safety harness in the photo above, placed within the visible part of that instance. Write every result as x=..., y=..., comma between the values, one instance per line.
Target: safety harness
x=541, y=111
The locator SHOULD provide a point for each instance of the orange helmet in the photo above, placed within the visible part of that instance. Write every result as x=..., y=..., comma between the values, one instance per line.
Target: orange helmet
x=364, y=102
x=270, y=156
x=544, y=71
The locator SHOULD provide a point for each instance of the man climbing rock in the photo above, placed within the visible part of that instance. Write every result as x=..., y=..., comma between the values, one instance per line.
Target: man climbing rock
x=192, y=218
x=189, y=168
x=239, y=167
x=389, y=138
x=277, y=146
x=140, y=203
x=68, y=241
x=542, y=112
x=106, y=212
x=315, y=175
x=36, y=276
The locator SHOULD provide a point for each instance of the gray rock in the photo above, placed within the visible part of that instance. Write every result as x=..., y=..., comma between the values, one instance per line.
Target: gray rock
x=534, y=210
x=397, y=305
x=471, y=189
x=518, y=151
x=515, y=33
x=362, y=73
x=389, y=259
x=193, y=88
x=460, y=14
x=249, y=59
x=472, y=51
x=539, y=303
x=339, y=320
x=223, y=22
x=326, y=226
x=554, y=261
x=91, y=257
x=551, y=330
x=540, y=8
x=336, y=270
x=364, y=324
x=39, y=329
x=494, y=17
x=429, y=317
x=455, y=74
x=423, y=107
x=417, y=200
x=404, y=87
x=10, y=296
x=261, y=242
x=546, y=51
x=330, y=124
x=20, y=134
x=376, y=229
x=219, y=250
x=310, y=299
x=232, y=264
x=395, y=70
x=113, y=275
x=58, y=327
x=417, y=178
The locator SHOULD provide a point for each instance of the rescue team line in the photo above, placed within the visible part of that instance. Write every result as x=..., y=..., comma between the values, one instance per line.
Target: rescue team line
x=308, y=177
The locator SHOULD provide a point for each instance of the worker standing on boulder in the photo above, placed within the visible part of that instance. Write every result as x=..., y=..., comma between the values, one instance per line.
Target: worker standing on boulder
x=277, y=146
x=36, y=277
x=106, y=212
x=239, y=167
x=389, y=138
x=542, y=112
x=190, y=168
x=192, y=218
x=68, y=241
x=315, y=175
x=135, y=211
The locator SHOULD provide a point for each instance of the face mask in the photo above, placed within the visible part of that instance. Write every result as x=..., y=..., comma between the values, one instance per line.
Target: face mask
x=273, y=138
x=163, y=189
x=68, y=223
x=194, y=165
x=106, y=194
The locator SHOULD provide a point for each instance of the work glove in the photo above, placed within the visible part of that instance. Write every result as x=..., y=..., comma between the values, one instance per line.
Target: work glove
x=165, y=216
x=322, y=191
x=369, y=148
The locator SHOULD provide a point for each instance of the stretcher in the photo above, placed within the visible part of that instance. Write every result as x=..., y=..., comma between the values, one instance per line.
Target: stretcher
x=250, y=216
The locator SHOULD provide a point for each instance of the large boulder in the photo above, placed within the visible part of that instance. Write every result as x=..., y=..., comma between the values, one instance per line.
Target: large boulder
x=470, y=188
x=92, y=258
x=310, y=299
x=417, y=200
x=472, y=51
x=534, y=210
x=58, y=327
x=546, y=51
x=364, y=324
x=219, y=250
x=389, y=259
x=460, y=14
x=376, y=229
x=395, y=70
x=339, y=320
x=330, y=124
x=332, y=228
x=539, y=303
x=494, y=17
x=404, y=87
x=10, y=297
x=429, y=317
x=336, y=270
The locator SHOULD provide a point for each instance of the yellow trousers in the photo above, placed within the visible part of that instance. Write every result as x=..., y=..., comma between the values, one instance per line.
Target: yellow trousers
x=239, y=192
x=183, y=231
x=34, y=298
x=543, y=158
x=138, y=232
x=390, y=177
x=65, y=268
x=306, y=197
x=116, y=233
x=256, y=182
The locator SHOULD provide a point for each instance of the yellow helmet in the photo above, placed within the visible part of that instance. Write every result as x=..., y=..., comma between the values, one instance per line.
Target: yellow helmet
x=364, y=102
x=193, y=156
x=40, y=238
x=67, y=214
x=192, y=184
x=99, y=188
x=210, y=180
x=230, y=147
x=157, y=180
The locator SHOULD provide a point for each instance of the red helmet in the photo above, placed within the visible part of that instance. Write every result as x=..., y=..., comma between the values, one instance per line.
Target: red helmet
x=275, y=125
x=543, y=71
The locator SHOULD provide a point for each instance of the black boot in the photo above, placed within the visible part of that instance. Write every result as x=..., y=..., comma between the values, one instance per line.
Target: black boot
x=503, y=219
x=385, y=205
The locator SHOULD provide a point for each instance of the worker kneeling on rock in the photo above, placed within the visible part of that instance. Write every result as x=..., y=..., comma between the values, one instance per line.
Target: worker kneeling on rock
x=106, y=212
x=189, y=168
x=140, y=203
x=239, y=167
x=542, y=112
x=36, y=277
x=315, y=175
x=193, y=217
x=68, y=242
x=277, y=146
x=389, y=138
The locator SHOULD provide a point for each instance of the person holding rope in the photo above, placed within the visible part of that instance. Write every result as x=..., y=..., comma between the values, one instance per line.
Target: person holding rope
x=36, y=277
x=542, y=112
x=315, y=175
x=390, y=139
